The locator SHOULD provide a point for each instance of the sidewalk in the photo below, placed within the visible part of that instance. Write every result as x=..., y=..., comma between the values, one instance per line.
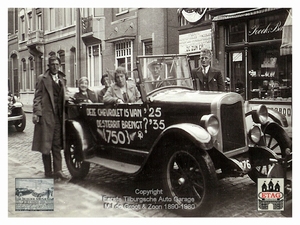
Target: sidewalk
x=27, y=108
x=70, y=200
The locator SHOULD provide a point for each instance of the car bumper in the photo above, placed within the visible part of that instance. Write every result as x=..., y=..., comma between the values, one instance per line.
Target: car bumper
x=14, y=118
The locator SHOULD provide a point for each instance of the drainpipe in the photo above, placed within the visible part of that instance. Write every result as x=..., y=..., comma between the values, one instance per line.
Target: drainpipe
x=78, y=47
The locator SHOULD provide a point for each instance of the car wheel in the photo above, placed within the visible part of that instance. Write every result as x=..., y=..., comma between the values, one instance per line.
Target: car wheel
x=76, y=166
x=20, y=194
x=20, y=125
x=277, y=143
x=189, y=179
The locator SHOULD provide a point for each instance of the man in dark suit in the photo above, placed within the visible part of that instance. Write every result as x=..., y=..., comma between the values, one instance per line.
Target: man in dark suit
x=48, y=104
x=156, y=68
x=205, y=77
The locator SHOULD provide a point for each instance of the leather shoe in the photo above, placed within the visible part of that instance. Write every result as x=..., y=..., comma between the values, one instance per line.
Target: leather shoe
x=61, y=175
x=49, y=174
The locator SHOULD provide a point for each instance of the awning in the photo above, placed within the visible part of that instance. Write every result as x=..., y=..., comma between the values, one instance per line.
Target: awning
x=286, y=45
x=246, y=13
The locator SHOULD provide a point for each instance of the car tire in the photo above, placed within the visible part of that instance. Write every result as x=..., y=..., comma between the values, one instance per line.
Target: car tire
x=76, y=166
x=21, y=124
x=277, y=143
x=189, y=174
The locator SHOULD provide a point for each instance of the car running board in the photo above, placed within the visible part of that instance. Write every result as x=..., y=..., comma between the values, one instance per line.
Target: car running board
x=115, y=165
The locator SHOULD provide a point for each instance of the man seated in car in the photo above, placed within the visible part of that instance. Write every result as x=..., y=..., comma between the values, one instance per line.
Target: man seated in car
x=157, y=71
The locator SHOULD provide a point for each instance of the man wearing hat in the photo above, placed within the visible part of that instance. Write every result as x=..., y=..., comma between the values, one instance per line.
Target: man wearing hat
x=48, y=117
x=156, y=68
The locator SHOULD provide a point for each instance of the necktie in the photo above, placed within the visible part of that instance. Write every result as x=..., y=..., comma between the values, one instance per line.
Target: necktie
x=204, y=71
x=55, y=78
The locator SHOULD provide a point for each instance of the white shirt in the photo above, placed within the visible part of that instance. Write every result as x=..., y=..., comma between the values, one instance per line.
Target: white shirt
x=55, y=78
x=205, y=69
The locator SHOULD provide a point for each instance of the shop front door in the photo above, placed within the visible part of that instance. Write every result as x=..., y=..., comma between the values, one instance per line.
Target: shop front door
x=237, y=72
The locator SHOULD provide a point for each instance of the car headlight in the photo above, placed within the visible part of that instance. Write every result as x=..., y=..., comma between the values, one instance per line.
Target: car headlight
x=255, y=134
x=210, y=123
x=260, y=115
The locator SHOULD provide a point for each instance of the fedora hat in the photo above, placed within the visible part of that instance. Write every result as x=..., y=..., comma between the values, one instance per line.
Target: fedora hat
x=154, y=63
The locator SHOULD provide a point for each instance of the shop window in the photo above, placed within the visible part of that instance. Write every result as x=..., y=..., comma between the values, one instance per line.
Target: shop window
x=270, y=74
x=236, y=33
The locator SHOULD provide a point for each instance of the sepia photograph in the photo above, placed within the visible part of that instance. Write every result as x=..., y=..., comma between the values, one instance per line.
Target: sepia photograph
x=150, y=112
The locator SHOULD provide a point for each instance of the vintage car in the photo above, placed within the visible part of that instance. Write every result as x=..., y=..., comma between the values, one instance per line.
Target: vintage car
x=189, y=139
x=40, y=193
x=16, y=115
x=23, y=191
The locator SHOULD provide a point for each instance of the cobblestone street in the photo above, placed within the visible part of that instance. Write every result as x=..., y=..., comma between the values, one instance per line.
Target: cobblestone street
x=84, y=198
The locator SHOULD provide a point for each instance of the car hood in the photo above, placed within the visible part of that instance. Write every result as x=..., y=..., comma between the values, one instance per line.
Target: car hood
x=179, y=95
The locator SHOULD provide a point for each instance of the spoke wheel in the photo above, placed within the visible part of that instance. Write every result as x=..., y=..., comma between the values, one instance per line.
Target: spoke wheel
x=76, y=166
x=191, y=182
x=277, y=143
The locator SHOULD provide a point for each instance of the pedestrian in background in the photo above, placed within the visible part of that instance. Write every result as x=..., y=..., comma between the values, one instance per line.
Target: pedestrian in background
x=104, y=81
x=48, y=104
x=122, y=91
x=205, y=77
x=85, y=94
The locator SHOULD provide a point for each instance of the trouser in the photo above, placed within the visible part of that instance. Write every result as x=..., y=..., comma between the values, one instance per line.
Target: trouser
x=55, y=152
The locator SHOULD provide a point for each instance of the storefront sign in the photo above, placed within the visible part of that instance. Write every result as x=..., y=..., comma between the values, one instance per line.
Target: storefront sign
x=270, y=28
x=194, y=42
x=266, y=28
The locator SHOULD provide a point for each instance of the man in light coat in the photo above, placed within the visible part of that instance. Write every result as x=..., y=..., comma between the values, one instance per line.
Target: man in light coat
x=48, y=105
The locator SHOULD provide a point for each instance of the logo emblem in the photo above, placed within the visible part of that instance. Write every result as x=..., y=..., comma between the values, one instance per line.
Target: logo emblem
x=270, y=194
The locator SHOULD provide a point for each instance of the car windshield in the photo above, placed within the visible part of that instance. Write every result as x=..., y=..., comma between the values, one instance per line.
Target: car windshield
x=164, y=71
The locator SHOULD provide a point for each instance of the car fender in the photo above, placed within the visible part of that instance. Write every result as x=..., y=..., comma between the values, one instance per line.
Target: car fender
x=195, y=133
x=80, y=131
x=275, y=129
x=261, y=155
x=18, y=104
x=276, y=116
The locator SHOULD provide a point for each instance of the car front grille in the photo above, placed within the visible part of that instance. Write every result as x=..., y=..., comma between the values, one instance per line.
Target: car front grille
x=233, y=132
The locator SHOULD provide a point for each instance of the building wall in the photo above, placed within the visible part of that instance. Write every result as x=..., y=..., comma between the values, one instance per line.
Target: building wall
x=138, y=24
